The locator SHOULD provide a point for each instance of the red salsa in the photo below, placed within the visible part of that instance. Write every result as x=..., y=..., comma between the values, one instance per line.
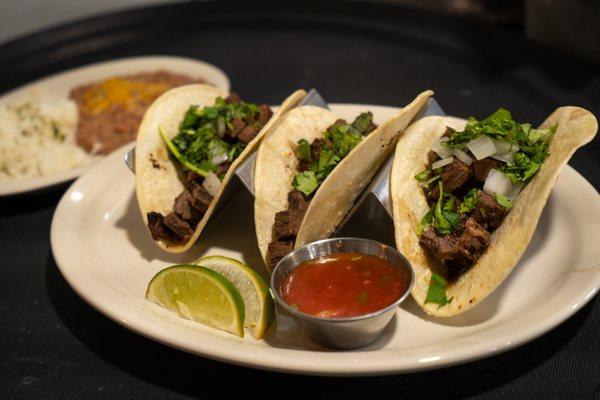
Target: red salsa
x=343, y=285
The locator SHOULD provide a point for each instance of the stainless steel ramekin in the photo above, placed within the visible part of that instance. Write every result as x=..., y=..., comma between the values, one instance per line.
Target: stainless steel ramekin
x=342, y=333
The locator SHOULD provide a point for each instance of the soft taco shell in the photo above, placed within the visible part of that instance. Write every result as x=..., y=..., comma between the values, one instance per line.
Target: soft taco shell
x=158, y=180
x=576, y=127
x=276, y=164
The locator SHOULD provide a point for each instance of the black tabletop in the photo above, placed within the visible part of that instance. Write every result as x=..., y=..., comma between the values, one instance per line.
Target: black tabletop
x=54, y=345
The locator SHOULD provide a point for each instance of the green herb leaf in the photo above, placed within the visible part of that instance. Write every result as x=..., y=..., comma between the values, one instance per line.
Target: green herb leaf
x=303, y=150
x=426, y=222
x=504, y=201
x=469, y=201
x=437, y=291
x=306, y=182
x=423, y=175
x=440, y=221
x=362, y=122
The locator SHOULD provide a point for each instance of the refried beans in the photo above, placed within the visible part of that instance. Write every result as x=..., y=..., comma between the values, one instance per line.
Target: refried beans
x=110, y=111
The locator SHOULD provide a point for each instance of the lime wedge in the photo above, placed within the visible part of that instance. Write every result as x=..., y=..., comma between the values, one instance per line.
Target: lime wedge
x=199, y=294
x=260, y=310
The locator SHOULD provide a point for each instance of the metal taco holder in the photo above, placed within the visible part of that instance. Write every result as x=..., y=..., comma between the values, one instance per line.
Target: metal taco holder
x=373, y=209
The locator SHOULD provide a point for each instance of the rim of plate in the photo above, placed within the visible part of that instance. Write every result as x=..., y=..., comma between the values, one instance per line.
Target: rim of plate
x=93, y=72
x=324, y=363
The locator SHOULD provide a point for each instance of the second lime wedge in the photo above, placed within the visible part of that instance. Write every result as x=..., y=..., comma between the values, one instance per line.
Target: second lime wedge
x=199, y=294
x=260, y=310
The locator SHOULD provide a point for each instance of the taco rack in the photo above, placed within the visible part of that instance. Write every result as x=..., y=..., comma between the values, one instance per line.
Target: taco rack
x=373, y=207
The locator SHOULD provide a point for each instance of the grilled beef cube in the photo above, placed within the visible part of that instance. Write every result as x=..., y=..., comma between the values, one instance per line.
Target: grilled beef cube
x=264, y=114
x=183, y=208
x=447, y=132
x=158, y=229
x=439, y=246
x=286, y=225
x=178, y=226
x=278, y=250
x=455, y=175
x=201, y=199
x=317, y=145
x=296, y=201
x=247, y=134
x=236, y=127
x=481, y=168
x=472, y=242
x=191, y=176
x=488, y=212
x=233, y=98
x=432, y=157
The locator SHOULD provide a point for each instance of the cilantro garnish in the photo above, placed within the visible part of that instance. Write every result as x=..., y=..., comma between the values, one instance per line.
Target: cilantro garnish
x=503, y=201
x=437, y=291
x=444, y=219
x=340, y=139
x=469, y=201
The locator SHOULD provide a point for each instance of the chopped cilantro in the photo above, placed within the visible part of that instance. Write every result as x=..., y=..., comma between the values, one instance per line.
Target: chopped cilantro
x=437, y=291
x=423, y=175
x=444, y=219
x=469, y=201
x=340, y=139
x=201, y=132
x=306, y=182
x=304, y=150
x=503, y=201
x=426, y=222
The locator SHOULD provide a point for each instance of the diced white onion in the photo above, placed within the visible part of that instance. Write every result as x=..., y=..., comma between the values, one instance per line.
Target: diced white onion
x=505, y=147
x=462, y=156
x=212, y=184
x=516, y=189
x=219, y=158
x=441, y=150
x=506, y=157
x=441, y=163
x=497, y=183
x=482, y=147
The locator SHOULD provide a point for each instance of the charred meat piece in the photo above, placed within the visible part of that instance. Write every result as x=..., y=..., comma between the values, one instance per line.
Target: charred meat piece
x=447, y=132
x=432, y=157
x=236, y=127
x=222, y=168
x=488, y=212
x=287, y=223
x=183, y=208
x=233, y=98
x=191, y=176
x=247, y=134
x=440, y=247
x=201, y=199
x=278, y=250
x=481, y=168
x=472, y=242
x=455, y=175
x=317, y=146
x=264, y=114
x=178, y=226
x=158, y=229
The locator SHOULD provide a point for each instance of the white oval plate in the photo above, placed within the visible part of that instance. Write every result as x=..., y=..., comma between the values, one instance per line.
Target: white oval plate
x=105, y=253
x=61, y=84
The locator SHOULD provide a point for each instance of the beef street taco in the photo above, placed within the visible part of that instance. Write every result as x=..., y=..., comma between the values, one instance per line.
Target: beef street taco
x=468, y=196
x=188, y=145
x=311, y=168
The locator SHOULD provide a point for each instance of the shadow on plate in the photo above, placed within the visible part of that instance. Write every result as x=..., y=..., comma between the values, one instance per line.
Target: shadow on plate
x=231, y=230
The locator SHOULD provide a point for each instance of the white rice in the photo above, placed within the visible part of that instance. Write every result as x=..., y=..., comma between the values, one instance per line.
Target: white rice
x=37, y=136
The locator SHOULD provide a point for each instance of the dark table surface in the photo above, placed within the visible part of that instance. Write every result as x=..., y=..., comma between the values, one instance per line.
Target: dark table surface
x=54, y=345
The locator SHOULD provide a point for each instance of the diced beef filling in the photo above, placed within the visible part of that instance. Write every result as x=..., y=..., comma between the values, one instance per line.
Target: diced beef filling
x=481, y=168
x=488, y=212
x=190, y=206
x=286, y=226
x=178, y=226
x=465, y=244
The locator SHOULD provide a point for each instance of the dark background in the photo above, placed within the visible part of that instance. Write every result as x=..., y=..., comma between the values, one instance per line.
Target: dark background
x=54, y=345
